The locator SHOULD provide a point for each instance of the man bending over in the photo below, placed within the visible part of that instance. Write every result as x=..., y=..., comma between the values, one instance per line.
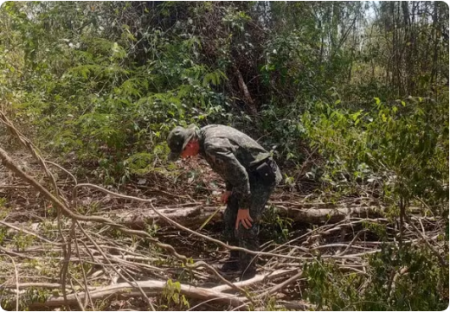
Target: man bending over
x=250, y=175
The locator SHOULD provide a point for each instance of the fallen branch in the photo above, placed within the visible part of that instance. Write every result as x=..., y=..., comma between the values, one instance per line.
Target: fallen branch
x=257, y=279
x=16, y=279
x=297, y=305
x=281, y=285
x=195, y=216
x=62, y=205
x=433, y=250
x=124, y=290
x=29, y=233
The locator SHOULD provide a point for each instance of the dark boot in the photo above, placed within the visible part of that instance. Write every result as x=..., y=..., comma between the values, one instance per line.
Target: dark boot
x=247, y=263
x=232, y=264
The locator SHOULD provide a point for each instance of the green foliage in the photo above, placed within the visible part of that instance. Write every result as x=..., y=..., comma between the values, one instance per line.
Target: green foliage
x=3, y=234
x=152, y=229
x=271, y=305
x=391, y=284
x=403, y=268
x=22, y=241
x=412, y=141
x=91, y=98
x=287, y=126
x=329, y=288
x=32, y=294
x=403, y=145
x=171, y=294
x=275, y=226
x=94, y=81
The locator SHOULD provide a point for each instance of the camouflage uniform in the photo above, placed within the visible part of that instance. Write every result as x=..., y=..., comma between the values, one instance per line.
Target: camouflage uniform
x=235, y=157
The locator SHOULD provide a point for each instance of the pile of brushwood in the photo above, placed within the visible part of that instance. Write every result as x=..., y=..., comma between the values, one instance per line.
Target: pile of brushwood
x=83, y=246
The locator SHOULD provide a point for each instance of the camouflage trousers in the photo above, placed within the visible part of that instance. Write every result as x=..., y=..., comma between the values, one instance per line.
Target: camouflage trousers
x=242, y=237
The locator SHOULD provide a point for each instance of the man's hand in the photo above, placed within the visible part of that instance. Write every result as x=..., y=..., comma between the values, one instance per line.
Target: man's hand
x=243, y=217
x=224, y=198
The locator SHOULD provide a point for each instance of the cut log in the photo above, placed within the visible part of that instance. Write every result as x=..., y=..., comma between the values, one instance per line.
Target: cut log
x=196, y=216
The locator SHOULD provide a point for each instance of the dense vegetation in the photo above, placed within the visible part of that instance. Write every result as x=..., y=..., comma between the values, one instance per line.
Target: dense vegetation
x=350, y=96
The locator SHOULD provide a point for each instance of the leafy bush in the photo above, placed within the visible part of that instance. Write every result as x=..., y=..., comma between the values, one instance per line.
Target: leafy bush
x=402, y=145
x=407, y=278
x=89, y=97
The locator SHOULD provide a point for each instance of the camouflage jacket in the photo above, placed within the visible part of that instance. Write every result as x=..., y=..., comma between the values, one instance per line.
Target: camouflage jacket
x=232, y=154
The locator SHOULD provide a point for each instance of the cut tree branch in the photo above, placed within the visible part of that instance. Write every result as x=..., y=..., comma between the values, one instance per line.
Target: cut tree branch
x=124, y=290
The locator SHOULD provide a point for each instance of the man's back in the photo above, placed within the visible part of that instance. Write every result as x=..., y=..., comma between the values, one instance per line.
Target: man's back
x=224, y=138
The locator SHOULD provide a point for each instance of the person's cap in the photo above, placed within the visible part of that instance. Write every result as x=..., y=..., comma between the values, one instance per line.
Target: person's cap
x=177, y=140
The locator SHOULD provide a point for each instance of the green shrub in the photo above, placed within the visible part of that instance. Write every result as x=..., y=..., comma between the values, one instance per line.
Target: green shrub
x=402, y=145
x=407, y=278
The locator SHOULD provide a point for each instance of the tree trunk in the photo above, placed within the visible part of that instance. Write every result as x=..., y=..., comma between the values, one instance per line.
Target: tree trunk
x=435, y=44
x=195, y=216
x=243, y=87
